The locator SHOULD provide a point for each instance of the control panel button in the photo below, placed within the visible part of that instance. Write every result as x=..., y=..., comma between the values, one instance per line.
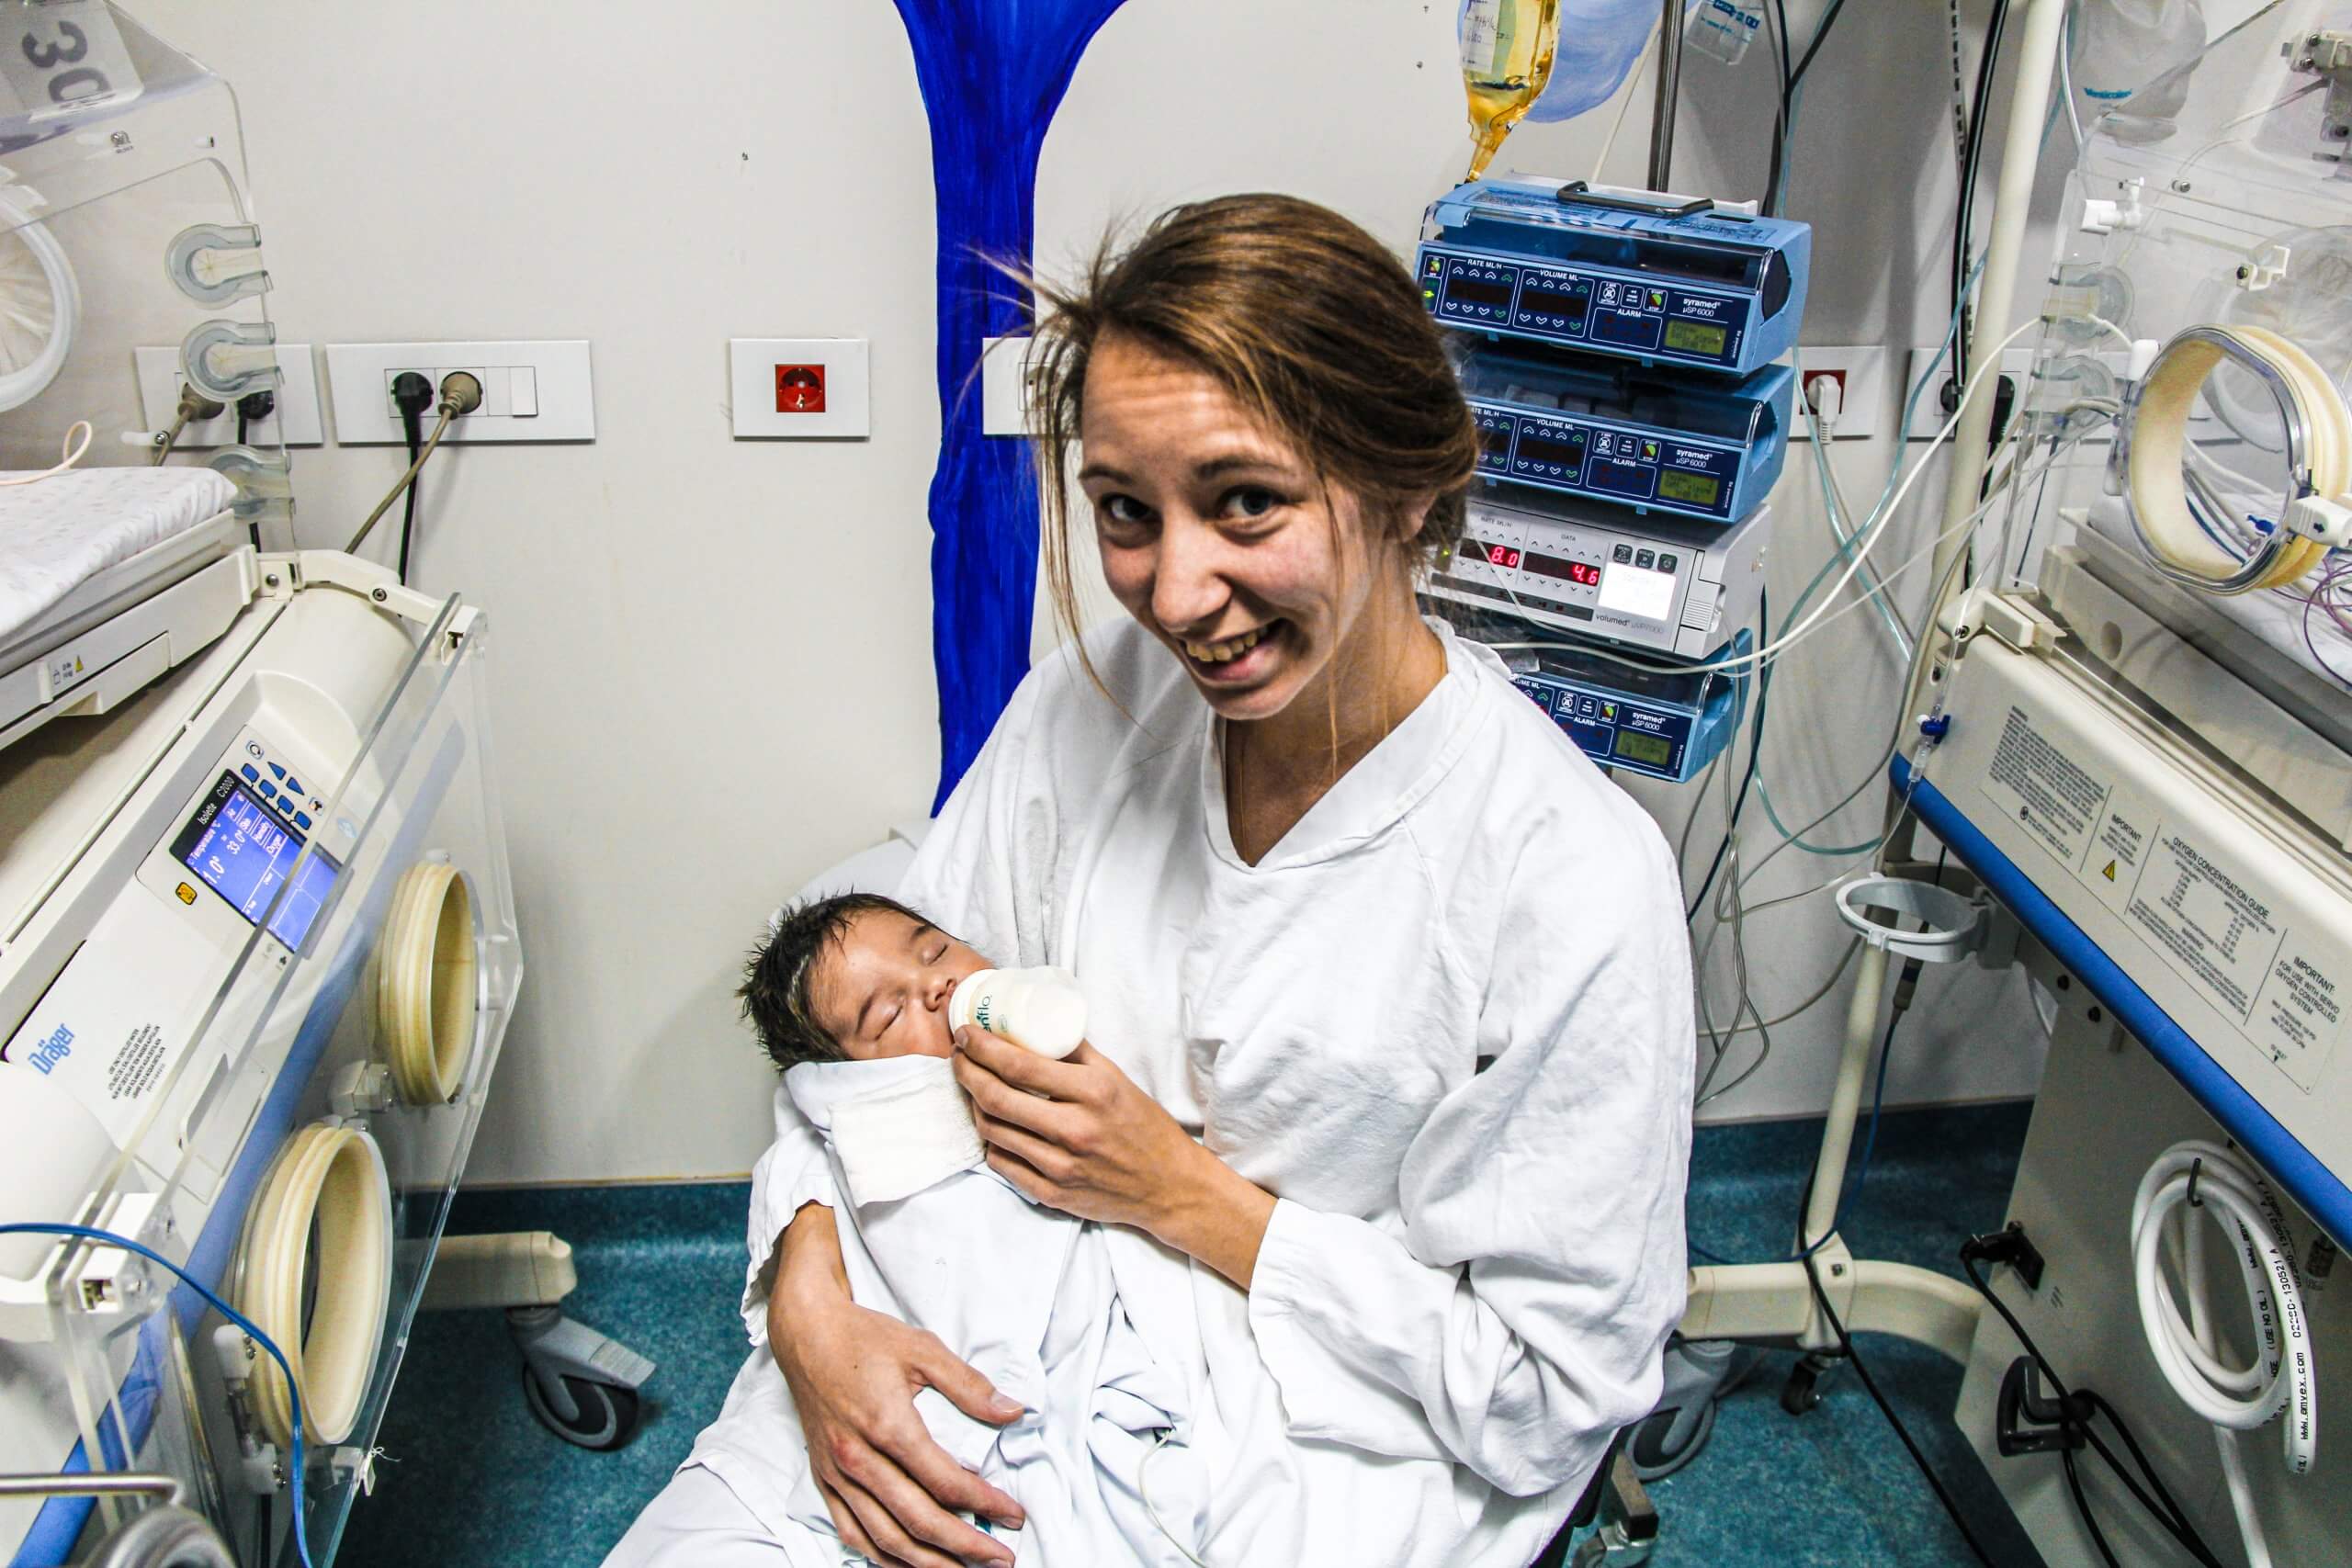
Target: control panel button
x=1665, y=563
x=1622, y=553
x=252, y=775
x=276, y=772
x=302, y=820
x=294, y=785
x=187, y=894
x=268, y=790
x=1646, y=559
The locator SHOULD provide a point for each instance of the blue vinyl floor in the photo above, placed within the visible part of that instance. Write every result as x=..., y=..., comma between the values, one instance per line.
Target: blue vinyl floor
x=468, y=1477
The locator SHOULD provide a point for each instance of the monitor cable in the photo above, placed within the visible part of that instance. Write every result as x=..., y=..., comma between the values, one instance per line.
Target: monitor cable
x=294, y=1463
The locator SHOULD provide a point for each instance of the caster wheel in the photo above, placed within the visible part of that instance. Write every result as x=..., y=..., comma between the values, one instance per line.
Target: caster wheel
x=1802, y=1393
x=1653, y=1458
x=609, y=1416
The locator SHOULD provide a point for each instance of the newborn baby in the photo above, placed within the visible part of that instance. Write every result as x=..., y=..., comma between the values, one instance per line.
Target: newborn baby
x=850, y=996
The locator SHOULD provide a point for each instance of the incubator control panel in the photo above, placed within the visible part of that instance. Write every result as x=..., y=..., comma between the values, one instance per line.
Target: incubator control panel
x=235, y=848
x=1586, y=309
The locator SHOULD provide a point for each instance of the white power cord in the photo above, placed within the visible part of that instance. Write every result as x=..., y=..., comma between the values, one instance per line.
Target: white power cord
x=2192, y=1176
x=69, y=454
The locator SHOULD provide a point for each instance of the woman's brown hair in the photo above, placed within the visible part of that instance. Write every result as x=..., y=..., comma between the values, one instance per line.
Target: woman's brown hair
x=1307, y=320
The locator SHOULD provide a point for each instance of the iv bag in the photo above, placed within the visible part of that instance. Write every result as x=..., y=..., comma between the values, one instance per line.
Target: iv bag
x=2131, y=61
x=1546, y=59
x=1599, y=41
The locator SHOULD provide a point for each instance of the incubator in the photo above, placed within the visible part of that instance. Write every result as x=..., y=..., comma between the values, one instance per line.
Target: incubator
x=123, y=223
x=2138, y=742
x=257, y=943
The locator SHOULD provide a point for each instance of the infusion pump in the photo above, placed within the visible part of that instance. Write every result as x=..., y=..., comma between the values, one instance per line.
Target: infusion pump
x=1682, y=588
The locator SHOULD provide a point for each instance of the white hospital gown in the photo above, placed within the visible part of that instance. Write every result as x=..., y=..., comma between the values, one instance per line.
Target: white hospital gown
x=1025, y=1295
x=1446, y=1021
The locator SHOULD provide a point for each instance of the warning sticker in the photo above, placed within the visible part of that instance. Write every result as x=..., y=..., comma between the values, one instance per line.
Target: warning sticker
x=2120, y=849
x=2299, y=1017
x=2055, y=798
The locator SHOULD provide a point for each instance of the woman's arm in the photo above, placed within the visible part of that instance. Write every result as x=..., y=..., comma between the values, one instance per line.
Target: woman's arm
x=1518, y=1321
x=1079, y=1135
x=854, y=1375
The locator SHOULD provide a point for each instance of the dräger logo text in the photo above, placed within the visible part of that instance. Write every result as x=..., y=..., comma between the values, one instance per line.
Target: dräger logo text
x=54, y=1050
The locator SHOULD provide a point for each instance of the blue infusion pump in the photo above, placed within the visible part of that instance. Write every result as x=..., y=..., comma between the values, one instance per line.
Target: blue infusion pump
x=1658, y=279
x=1611, y=430
x=1665, y=724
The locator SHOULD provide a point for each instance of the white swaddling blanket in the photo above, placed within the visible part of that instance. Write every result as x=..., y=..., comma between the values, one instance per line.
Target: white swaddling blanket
x=59, y=533
x=1025, y=1295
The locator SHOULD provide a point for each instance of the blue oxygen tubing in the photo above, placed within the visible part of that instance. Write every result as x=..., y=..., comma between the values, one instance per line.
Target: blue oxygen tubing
x=293, y=1391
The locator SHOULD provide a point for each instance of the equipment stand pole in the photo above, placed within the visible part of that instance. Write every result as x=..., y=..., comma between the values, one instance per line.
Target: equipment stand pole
x=1670, y=92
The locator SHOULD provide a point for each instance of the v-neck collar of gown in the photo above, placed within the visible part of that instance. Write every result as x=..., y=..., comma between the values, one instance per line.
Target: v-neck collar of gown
x=1369, y=798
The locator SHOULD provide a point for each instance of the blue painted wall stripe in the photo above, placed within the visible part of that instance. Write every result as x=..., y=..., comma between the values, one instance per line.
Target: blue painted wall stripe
x=992, y=72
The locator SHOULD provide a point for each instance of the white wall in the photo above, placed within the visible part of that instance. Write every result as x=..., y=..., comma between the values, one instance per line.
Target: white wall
x=713, y=669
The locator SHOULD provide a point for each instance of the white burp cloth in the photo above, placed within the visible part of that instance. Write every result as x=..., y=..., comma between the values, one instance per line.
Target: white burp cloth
x=913, y=1130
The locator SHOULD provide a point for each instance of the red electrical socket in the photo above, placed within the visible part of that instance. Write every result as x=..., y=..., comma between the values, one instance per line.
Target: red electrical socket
x=800, y=389
x=1812, y=375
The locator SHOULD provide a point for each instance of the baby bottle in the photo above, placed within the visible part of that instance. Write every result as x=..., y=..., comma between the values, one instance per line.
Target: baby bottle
x=1042, y=1010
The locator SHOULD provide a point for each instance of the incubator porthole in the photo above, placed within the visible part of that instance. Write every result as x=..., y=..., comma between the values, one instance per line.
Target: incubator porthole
x=428, y=981
x=315, y=1273
x=41, y=303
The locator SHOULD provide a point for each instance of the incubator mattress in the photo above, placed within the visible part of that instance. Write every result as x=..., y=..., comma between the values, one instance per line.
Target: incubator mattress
x=60, y=532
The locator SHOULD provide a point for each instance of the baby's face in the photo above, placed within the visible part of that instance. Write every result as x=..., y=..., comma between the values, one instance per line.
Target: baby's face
x=884, y=990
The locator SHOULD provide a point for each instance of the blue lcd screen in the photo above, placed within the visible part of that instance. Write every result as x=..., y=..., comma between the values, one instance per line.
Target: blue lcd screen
x=243, y=851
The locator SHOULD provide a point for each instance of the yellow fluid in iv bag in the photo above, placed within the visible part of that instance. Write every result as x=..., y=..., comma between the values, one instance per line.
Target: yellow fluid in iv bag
x=1507, y=49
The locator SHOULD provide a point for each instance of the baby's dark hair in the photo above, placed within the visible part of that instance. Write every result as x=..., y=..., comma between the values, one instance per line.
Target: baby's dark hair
x=776, y=977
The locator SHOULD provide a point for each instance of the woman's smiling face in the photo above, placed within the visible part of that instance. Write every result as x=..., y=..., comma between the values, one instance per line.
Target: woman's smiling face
x=1218, y=535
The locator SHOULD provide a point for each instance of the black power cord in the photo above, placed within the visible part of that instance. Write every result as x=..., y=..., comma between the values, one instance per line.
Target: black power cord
x=1846, y=1348
x=1791, y=77
x=412, y=394
x=2008, y=1246
x=1965, y=224
x=252, y=408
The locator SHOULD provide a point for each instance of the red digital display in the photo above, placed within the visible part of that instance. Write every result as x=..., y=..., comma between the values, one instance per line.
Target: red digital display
x=1499, y=555
x=1583, y=573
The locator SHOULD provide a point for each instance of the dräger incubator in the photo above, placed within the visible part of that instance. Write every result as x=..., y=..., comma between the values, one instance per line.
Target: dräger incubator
x=257, y=942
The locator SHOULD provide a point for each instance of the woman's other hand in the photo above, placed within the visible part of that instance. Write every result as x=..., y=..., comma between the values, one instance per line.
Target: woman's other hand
x=1079, y=1135
x=853, y=1376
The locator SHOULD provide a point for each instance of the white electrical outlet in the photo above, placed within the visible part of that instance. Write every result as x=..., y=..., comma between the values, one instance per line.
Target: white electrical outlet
x=1862, y=374
x=530, y=392
x=1004, y=386
x=293, y=421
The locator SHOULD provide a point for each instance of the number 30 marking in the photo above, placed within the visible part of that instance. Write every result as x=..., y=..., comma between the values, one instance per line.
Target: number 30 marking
x=49, y=56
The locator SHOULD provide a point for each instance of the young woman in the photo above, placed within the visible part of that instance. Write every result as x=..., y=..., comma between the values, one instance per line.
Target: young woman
x=1388, y=1094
